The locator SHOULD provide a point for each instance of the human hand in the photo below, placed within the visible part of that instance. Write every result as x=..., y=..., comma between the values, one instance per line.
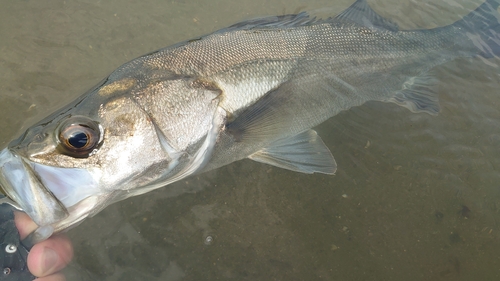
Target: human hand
x=47, y=257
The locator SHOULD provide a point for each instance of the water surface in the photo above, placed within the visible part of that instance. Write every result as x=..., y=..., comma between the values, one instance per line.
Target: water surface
x=416, y=197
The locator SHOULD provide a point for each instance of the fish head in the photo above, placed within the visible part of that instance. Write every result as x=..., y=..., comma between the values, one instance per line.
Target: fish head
x=122, y=138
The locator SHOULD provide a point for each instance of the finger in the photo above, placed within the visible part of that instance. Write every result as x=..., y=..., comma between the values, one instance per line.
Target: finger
x=24, y=224
x=54, y=277
x=50, y=256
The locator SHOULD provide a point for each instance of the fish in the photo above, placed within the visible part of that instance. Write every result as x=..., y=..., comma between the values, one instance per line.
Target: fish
x=252, y=90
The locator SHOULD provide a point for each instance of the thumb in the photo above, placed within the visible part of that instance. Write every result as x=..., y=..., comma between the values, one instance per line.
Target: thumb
x=46, y=257
x=50, y=256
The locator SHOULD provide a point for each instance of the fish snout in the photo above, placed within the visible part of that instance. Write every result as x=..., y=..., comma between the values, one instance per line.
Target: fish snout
x=24, y=188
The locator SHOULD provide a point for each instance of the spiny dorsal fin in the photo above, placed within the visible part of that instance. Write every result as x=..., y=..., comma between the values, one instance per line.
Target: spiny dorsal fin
x=361, y=13
x=300, y=19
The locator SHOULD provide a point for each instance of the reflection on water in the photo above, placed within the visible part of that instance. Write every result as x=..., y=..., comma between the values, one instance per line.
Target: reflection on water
x=415, y=196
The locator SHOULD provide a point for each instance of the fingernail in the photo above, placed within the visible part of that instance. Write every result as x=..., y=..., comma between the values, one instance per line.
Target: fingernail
x=50, y=260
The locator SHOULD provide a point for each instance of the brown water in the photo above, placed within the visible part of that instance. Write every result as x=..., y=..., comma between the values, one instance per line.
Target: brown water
x=415, y=197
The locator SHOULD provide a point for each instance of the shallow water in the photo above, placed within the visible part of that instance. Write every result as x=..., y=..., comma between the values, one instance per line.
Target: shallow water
x=415, y=197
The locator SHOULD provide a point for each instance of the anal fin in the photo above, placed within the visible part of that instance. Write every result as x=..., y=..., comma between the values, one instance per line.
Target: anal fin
x=305, y=153
x=418, y=95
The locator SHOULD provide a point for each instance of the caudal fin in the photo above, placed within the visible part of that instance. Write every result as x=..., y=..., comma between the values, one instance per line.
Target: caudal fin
x=482, y=27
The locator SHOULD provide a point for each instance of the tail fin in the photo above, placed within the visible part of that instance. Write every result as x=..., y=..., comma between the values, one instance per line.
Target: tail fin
x=482, y=27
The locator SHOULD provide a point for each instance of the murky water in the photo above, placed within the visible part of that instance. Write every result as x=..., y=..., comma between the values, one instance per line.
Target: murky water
x=415, y=197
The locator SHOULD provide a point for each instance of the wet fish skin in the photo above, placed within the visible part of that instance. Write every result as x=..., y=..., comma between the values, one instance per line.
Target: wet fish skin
x=253, y=90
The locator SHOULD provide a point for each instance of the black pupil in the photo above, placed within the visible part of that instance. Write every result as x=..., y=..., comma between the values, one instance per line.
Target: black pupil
x=78, y=140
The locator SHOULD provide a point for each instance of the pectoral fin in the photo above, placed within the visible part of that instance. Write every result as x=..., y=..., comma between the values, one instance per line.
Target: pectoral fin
x=290, y=108
x=265, y=119
x=305, y=153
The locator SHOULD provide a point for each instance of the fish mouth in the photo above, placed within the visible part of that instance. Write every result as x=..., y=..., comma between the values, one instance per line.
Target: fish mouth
x=22, y=185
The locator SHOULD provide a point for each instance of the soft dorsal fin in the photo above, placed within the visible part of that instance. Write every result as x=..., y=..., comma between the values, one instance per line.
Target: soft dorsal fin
x=305, y=153
x=361, y=13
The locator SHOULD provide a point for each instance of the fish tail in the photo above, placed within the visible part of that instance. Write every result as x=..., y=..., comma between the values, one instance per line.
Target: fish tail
x=482, y=27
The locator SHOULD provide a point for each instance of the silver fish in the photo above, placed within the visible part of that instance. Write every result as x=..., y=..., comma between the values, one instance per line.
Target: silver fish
x=253, y=90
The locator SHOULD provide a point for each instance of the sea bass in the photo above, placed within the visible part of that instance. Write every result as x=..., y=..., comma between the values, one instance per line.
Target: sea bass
x=252, y=90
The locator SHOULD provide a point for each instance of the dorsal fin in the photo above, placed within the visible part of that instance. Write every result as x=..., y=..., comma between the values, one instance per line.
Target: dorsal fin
x=361, y=13
x=300, y=19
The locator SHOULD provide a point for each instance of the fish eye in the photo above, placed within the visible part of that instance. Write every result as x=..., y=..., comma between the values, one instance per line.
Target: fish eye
x=79, y=137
